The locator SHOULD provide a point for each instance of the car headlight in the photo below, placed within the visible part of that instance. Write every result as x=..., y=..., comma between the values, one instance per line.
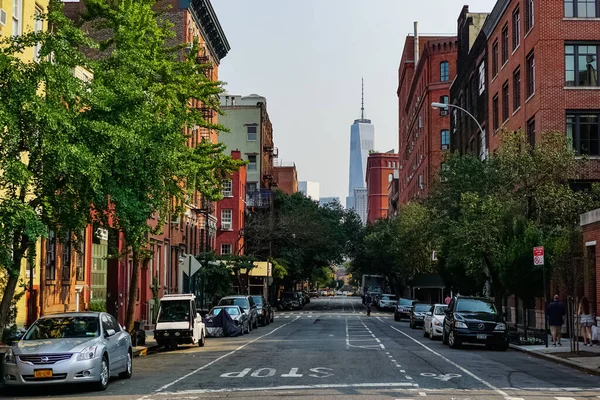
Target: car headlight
x=500, y=327
x=9, y=357
x=88, y=353
x=458, y=324
x=437, y=323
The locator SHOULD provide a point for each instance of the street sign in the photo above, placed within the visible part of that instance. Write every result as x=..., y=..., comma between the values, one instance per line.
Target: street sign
x=538, y=255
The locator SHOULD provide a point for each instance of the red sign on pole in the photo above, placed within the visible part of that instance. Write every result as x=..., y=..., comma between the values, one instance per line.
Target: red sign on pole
x=538, y=255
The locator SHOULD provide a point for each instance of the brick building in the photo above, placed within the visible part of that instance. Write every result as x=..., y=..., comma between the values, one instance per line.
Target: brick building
x=589, y=280
x=380, y=173
x=232, y=211
x=426, y=71
x=107, y=281
x=542, y=71
x=286, y=177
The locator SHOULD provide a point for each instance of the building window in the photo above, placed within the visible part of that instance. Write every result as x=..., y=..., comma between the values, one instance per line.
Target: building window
x=17, y=17
x=530, y=74
x=444, y=100
x=505, y=101
x=529, y=15
x=250, y=187
x=505, y=44
x=66, y=257
x=444, y=71
x=495, y=58
x=583, y=130
x=516, y=26
x=531, y=132
x=226, y=222
x=420, y=181
x=80, y=260
x=51, y=255
x=495, y=113
x=581, y=65
x=37, y=27
x=227, y=190
x=445, y=139
x=251, y=133
x=252, y=162
x=482, y=77
x=517, y=89
x=226, y=249
x=581, y=9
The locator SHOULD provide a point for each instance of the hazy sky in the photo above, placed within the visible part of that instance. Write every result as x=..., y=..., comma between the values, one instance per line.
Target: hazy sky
x=307, y=58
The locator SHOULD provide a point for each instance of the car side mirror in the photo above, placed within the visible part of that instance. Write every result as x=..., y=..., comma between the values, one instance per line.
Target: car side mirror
x=429, y=313
x=109, y=332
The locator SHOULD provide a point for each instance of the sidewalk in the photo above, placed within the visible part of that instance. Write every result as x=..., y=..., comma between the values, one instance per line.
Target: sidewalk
x=140, y=351
x=586, y=360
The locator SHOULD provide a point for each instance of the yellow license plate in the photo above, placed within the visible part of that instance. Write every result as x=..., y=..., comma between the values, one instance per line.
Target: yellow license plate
x=42, y=373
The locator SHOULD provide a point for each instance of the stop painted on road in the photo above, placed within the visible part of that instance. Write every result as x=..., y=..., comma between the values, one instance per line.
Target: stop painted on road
x=318, y=372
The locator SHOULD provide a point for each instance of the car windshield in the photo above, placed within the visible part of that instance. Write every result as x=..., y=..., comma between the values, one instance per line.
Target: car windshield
x=439, y=310
x=235, y=301
x=386, y=297
x=230, y=310
x=475, y=306
x=64, y=327
x=174, y=310
x=422, y=307
x=406, y=302
x=257, y=299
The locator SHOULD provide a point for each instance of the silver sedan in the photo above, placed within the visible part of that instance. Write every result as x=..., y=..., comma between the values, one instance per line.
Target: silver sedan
x=82, y=347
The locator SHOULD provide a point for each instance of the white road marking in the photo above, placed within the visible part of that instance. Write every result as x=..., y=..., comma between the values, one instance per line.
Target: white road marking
x=466, y=371
x=403, y=371
x=291, y=387
x=287, y=316
x=422, y=394
x=168, y=385
x=293, y=374
x=565, y=398
x=380, y=320
x=408, y=377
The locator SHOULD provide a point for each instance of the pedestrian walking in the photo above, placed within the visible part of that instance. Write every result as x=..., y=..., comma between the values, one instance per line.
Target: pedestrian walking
x=585, y=320
x=555, y=313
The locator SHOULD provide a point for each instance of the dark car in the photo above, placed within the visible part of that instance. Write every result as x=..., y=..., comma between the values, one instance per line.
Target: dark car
x=417, y=314
x=264, y=310
x=403, y=309
x=290, y=301
x=474, y=320
x=246, y=303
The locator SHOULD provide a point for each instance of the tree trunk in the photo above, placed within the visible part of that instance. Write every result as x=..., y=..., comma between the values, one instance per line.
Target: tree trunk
x=133, y=288
x=13, y=279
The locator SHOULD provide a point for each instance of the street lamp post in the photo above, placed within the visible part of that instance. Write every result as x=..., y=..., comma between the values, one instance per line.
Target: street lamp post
x=445, y=106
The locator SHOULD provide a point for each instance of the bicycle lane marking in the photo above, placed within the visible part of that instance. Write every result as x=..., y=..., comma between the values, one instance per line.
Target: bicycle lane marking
x=466, y=371
x=168, y=385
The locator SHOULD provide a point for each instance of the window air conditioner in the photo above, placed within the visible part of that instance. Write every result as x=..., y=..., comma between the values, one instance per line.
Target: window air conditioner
x=226, y=226
x=2, y=17
x=444, y=147
x=444, y=113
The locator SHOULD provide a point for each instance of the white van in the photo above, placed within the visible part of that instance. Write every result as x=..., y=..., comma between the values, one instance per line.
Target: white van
x=178, y=322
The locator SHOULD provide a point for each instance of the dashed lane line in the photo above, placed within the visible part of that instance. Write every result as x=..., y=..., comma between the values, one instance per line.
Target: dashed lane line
x=168, y=385
x=466, y=371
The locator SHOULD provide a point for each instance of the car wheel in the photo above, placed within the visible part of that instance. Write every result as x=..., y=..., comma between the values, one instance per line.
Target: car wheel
x=412, y=326
x=453, y=340
x=431, y=335
x=256, y=323
x=425, y=334
x=273, y=317
x=129, y=367
x=102, y=384
x=249, y=326
x=444, y=337
x=396, y=317
x=202, y=340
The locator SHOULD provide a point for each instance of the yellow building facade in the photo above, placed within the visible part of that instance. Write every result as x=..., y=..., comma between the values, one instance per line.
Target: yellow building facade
x=18, y=17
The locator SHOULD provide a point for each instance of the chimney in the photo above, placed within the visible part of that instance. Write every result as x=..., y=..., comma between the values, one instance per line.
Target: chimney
x=416, y=43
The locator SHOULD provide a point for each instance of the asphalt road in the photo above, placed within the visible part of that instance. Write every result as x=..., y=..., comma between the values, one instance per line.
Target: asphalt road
x=332, y=350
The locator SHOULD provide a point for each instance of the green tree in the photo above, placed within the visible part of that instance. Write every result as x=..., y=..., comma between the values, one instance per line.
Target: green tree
x=48, y=172
x=141, y=115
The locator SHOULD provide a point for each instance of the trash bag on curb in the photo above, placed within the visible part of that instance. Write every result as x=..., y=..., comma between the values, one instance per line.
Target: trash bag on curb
x=221, y=325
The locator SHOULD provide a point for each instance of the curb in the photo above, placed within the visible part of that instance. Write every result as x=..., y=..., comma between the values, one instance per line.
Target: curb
x=557, y=360
x=142, y=352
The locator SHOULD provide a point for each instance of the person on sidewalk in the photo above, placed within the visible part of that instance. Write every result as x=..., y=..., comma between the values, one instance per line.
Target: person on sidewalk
x=555, y=313
x=586, y=320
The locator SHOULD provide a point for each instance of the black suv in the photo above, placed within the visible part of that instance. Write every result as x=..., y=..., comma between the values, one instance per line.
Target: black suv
x=417, y=314
x=474, y=320
x=403, y=309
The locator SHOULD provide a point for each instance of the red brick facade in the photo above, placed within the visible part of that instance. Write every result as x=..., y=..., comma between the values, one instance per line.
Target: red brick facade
x=286, y=177
x=421, y=128
x=379, y=175
x=229, y=237
x=590, y=223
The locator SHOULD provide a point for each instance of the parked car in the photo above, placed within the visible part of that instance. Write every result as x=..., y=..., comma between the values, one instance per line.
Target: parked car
x=264, y=309
x=178, y=322
x=306, y=297
x=238, y=316
x=417, y=314
x=403, y=309
x=434, y=321
x=301, y=298
x=314, y=293
x=387, y=301
x=246, y=303
x=290, y=301
x=474, y=320
x=78, y=347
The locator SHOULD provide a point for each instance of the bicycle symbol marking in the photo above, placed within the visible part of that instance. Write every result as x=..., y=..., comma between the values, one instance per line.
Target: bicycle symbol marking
x=441, y=377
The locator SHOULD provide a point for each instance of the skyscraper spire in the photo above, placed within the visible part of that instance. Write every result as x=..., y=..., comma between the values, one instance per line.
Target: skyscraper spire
x=362, y=104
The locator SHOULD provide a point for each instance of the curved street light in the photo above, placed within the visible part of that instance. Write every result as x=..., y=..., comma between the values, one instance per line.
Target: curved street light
x=445, y=106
